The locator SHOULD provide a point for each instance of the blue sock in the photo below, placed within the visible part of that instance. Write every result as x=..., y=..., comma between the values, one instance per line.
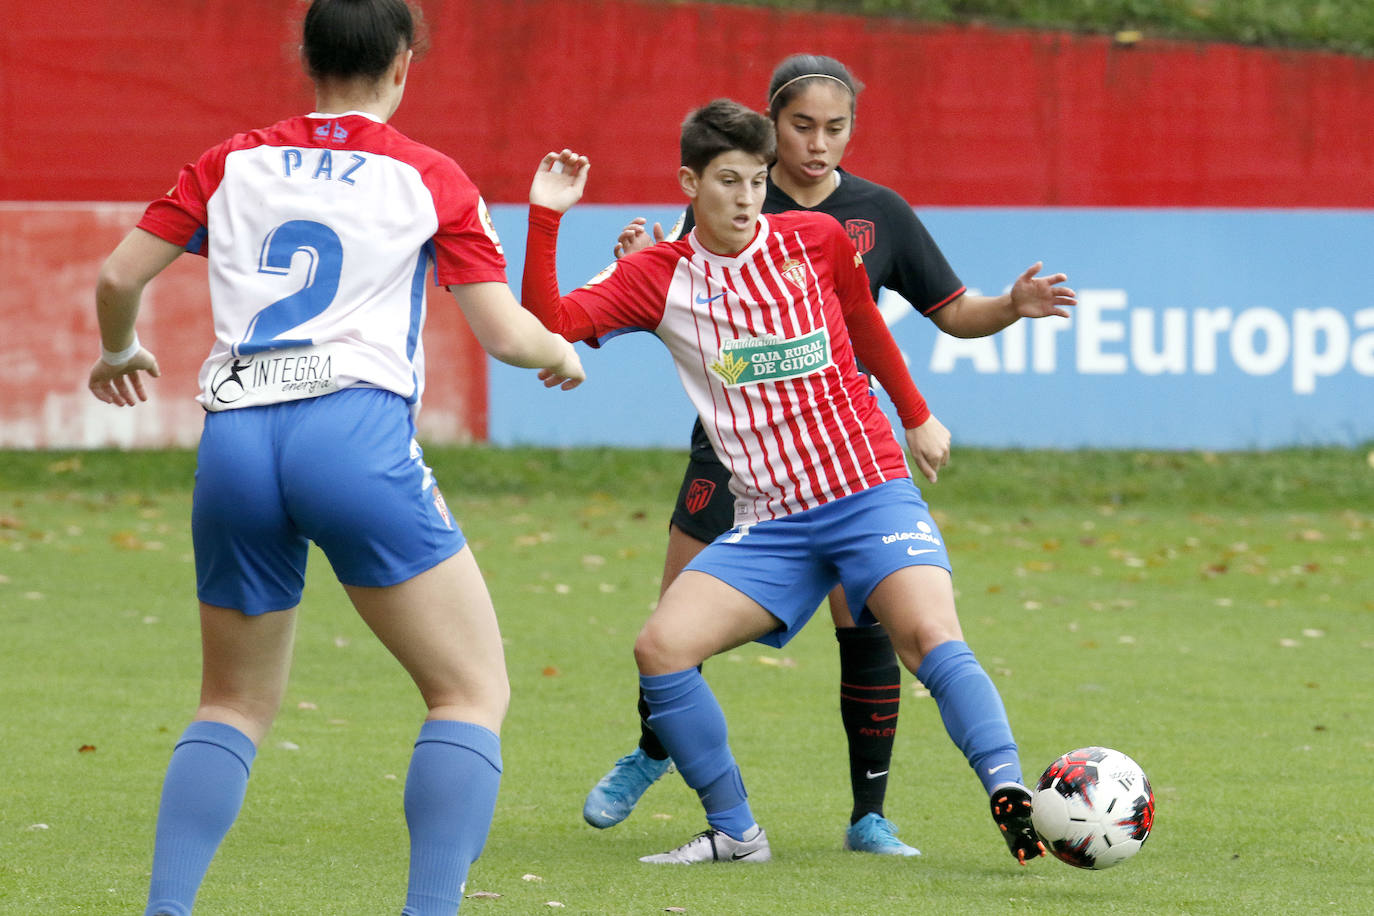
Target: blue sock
x=972, y=712
x=450, y=796
x=687, y=719
x=201, y=797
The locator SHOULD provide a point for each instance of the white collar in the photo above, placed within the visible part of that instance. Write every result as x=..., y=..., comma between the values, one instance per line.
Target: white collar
x=362, y=114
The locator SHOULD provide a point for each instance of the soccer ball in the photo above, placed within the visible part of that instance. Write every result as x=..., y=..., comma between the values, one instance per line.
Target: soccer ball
x=1093, y=807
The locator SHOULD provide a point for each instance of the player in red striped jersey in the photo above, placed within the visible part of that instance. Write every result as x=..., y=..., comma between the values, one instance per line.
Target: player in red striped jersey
x=812, y=102
x=764, y=316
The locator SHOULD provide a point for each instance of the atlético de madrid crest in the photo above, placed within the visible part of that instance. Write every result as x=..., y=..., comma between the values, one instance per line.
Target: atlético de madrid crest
x=795, y=273
x=862, y=233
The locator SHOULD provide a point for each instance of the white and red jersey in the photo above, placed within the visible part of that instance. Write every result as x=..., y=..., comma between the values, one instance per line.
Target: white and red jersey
x=319, y=232
x=762, y=347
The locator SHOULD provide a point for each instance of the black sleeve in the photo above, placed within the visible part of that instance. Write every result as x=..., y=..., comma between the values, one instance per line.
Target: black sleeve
x=918, y=270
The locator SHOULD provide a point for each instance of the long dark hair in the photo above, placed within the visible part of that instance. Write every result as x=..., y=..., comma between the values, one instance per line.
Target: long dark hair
x=356, y=39
x=802, y=70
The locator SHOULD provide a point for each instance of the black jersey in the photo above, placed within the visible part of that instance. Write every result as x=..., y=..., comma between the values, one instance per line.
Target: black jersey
x=898, y=251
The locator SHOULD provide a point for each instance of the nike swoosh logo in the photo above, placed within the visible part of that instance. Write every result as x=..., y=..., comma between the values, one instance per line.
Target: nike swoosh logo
x=913, y=552
x=872, y=775
x=877, y=718
x=1000, y=766
x=742, y=855
x=702, y=300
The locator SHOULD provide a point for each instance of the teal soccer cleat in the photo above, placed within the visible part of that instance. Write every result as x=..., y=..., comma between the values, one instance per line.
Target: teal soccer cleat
x=878, y=835
x=613, y=798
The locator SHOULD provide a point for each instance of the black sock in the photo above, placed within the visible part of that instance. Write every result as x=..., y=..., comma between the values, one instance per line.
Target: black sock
x=648, y=741
x=870, y=691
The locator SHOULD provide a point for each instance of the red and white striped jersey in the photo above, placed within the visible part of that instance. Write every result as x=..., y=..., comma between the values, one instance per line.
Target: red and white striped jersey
x=761, y=345
x=319, y=231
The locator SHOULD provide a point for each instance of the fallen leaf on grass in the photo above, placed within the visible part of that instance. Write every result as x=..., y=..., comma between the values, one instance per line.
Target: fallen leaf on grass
x=126, y=540
x=86, y=749
x=483, y=895
x=551, y=671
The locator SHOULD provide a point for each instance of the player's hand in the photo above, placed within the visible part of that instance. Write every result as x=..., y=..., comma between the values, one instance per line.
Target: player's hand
x=568, y=374
x=1039, y=297
x=559, y=180
x=122, y=385
x=634, y=238
x=929, y=446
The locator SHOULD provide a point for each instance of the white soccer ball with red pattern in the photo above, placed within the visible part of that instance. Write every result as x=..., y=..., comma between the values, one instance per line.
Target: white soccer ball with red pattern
x=1093, y=807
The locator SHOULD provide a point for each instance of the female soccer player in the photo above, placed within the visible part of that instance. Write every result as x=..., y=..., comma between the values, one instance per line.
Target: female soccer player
x=319, y=232
x=764, y=317
x=811, y=101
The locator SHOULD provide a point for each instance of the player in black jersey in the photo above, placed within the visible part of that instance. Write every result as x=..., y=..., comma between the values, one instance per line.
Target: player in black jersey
x=811, y=100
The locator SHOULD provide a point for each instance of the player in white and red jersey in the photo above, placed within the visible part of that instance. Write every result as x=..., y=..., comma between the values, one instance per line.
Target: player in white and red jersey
x=793, y=427
x=320, y=232
x=764, y=317
x=289, y=327
x=812, y=101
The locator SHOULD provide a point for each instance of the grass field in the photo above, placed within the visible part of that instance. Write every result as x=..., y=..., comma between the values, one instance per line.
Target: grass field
x=1211, y=615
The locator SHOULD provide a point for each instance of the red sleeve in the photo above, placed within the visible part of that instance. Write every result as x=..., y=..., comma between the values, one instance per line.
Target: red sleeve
x=868, y=333
x=179, y=216
x=466, y=246
x=539, y=286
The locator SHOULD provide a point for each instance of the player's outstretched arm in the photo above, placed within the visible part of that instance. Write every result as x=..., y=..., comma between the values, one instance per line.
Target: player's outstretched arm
x=515, y=337
x=1030, y=297
x=115, y=377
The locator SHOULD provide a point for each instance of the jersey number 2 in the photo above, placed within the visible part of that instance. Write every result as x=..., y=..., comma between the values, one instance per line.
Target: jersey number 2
x=322, y=246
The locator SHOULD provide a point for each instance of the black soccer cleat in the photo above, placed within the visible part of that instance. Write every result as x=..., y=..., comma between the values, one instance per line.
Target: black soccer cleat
x=1011, y=811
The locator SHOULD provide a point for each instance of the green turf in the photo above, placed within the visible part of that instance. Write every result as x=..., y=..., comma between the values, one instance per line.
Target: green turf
x=1212, y=616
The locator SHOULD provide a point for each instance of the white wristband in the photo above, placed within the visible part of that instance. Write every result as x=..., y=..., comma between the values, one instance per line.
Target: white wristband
x=115, y=359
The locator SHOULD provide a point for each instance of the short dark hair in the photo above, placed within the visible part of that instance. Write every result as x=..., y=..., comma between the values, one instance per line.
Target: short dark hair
x=356, y=39
x=722, y=126
x=802, y=70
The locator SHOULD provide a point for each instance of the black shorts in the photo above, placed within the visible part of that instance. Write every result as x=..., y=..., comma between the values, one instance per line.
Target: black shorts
x=705, y=506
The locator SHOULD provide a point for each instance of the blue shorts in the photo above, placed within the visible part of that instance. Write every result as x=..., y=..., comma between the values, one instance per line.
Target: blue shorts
x=342, y=470
x=788, y=565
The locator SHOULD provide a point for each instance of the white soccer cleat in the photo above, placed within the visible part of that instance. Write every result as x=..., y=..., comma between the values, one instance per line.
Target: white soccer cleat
x=715, y=846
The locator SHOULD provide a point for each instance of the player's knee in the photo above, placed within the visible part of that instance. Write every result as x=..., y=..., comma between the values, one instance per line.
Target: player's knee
x=655, y=654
